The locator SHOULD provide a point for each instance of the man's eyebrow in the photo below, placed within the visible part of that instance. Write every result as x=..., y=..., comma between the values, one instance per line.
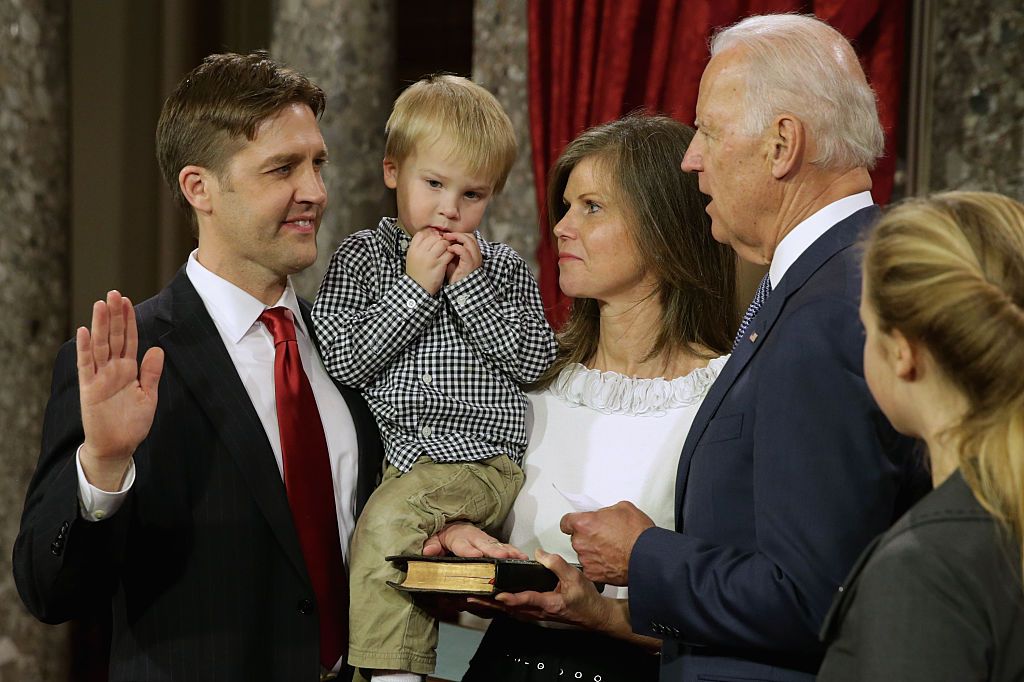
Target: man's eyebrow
x=282, y=159
x=288, y=159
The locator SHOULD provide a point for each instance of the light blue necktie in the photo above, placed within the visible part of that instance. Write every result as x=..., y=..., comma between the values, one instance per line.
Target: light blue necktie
x=764, y=289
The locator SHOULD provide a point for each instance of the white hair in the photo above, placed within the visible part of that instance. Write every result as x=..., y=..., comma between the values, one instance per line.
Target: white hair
x=800, y=65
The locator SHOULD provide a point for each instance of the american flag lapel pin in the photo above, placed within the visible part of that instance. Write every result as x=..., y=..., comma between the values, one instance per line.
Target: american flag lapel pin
x=753, y=337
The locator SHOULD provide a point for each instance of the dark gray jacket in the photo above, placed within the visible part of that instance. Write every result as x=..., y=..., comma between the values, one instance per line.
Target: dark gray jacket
x=937, y=597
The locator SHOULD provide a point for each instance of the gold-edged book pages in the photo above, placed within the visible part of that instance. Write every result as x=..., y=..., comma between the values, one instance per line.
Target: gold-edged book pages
x=470, y=575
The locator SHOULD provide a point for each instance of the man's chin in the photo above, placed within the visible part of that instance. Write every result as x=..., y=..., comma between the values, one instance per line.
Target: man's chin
x=302, y=259
x=719, y=234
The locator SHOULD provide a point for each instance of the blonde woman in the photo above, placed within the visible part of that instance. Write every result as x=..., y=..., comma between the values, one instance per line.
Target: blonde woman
x=940, y=596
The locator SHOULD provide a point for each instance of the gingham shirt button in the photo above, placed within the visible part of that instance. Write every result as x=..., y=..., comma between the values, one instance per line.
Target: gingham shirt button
x=461, y=299
x=427, y=378
x=426, y=431
x=410, y=303
x=403, y=244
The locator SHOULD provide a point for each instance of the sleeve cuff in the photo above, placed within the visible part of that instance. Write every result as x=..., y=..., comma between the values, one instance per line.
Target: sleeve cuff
x=410, y=299
x=95, y=504
x=470, y=294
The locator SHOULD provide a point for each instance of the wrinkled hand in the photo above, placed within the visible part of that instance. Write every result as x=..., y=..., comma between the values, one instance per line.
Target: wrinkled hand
x=575, y=600
x=118, y=397
x=604, y=539
x=427, y=259
x=466, y=250
x=465, y=539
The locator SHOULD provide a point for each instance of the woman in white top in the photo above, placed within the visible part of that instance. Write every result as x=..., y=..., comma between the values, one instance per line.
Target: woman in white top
x=652, y=315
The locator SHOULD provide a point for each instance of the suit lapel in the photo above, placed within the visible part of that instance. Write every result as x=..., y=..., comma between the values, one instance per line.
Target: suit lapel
x=709, y=407
x=840, y=236
x=195, y=348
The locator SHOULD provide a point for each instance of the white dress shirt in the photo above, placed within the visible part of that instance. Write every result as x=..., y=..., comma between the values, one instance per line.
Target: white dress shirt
x=807, y=232
x=251, y=347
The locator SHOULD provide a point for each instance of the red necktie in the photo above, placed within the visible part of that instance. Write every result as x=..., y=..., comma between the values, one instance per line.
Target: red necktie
x=308, y=482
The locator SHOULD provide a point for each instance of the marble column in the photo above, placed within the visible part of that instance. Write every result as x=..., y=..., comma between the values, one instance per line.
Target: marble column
x=977, y=97
x=347, y=48
x=33, y=290
x=500, y=65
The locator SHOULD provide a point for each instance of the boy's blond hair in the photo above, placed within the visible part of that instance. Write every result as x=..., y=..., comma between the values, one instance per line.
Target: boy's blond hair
x=443, y=106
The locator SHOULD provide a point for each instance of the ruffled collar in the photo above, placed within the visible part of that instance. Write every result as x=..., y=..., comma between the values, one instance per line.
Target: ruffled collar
x=614, y=393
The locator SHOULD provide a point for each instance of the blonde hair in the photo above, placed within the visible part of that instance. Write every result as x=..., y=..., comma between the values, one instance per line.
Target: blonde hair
x=948, y=271
x=800, y=65
x=462, y=113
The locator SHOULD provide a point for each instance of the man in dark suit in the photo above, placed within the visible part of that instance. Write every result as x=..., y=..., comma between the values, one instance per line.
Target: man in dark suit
x=789, y=468
x=177, y=491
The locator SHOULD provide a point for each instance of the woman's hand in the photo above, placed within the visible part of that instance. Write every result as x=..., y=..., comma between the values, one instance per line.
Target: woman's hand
x=575, y=600
x=465, y=539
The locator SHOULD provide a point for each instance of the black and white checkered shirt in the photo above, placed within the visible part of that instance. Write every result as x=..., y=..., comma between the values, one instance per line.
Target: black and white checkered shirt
x=441, y=373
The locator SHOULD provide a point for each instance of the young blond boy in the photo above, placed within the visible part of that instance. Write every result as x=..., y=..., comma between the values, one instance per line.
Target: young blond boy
x=437, y=327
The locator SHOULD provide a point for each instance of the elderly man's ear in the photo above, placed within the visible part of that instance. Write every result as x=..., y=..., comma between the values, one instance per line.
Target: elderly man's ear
x=788, y=139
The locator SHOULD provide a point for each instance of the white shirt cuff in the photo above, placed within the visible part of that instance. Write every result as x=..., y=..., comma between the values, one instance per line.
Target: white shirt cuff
x=95, y=504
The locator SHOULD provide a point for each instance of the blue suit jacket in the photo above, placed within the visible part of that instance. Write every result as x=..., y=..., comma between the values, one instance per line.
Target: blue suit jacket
x=787, y=473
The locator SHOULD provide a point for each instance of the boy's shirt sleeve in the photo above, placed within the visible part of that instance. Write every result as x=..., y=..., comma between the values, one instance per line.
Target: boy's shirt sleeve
x=504, y=317
x=360, y=331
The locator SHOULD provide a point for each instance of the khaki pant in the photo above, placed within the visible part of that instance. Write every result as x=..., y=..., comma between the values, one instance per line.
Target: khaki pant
x=387, y=631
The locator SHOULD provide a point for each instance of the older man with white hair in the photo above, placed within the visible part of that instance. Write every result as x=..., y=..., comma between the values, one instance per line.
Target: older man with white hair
x=789, y=468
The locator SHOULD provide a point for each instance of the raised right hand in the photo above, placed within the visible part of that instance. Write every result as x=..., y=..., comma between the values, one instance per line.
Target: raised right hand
x=427, y=259
x=118, y=397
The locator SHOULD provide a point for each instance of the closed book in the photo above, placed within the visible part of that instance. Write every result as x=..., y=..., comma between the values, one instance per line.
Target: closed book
x=472, y=575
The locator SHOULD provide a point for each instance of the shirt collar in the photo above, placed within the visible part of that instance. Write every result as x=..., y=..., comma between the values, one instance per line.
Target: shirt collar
x=807, y=232
x=392, y=236
x=233, y=310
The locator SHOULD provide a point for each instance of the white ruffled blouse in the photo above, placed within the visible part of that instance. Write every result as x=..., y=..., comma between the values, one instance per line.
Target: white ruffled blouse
x=596, y=438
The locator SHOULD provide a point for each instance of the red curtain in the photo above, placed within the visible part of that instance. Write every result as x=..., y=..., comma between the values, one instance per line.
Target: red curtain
x=592, y=61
